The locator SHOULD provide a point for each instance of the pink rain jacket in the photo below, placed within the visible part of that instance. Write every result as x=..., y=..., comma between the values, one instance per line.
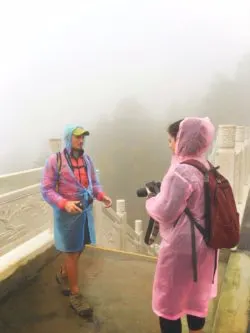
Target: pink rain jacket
x=174, y=291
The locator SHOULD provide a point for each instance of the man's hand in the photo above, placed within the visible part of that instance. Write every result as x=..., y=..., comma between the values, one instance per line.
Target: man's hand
x=107, y=201
x=72, y=208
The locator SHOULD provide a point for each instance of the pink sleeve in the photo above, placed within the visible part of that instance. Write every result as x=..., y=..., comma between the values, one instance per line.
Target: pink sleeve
x=48, y=184
x=170, y=203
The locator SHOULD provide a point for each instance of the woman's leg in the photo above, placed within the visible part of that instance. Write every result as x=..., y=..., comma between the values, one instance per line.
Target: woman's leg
x=170, y=326
x=195, y=324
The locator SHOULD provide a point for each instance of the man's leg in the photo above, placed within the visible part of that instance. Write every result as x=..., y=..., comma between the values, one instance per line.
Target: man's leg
x=77, y=301
x=62, y=276
x=71, y=269
x=63, y=267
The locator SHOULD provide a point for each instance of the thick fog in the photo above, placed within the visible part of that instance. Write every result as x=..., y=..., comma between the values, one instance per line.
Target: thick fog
x=122, y=69
x=67, y=61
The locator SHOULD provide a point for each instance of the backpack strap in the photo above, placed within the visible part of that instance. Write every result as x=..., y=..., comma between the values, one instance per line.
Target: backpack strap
x=59, y=167
x=207, y=215
x=193, y=223
x=196, y=164
x=215, y=263
x=194, y=253
x=68, y=159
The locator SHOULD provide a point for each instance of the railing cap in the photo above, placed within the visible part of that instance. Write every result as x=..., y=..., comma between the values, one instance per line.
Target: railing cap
x=226, y=136
x=240, y=134
x=120, y=206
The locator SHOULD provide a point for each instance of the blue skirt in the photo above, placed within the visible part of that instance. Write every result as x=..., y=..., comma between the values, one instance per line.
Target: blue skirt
x=73, y=232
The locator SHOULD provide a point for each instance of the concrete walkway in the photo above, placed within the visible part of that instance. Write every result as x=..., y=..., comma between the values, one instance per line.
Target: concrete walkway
x=118, y=285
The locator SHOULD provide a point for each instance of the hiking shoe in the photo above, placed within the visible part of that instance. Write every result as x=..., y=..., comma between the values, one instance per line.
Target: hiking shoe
x=64, y=283
x=80, y=305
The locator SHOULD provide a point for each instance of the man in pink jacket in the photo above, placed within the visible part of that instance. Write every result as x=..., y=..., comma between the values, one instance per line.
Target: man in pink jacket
x=70, y=185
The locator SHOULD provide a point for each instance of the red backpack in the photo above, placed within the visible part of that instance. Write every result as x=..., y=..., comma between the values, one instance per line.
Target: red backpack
x=222, y=226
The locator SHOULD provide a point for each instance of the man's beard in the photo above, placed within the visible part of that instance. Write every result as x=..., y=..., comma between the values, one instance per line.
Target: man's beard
x=77, y=152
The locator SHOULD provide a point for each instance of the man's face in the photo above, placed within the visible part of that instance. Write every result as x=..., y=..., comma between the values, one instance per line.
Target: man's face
x=77, y=142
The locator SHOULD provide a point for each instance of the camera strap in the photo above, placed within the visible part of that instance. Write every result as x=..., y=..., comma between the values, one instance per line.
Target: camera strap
x=59, y=167
x=68, y=159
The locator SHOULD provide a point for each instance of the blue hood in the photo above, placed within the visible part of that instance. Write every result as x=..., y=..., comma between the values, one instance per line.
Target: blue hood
x=68, y=130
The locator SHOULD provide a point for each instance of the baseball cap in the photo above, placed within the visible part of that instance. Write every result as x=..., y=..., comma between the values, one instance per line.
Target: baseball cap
x=80, y=131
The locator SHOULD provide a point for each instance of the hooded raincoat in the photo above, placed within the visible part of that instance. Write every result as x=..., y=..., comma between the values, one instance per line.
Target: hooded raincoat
x=71, y=232
x=174, y=291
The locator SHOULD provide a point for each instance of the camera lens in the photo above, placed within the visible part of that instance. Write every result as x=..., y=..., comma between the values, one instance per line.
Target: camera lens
x=142, y=192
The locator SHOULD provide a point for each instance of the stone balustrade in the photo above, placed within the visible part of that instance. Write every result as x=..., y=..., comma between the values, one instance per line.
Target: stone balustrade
x=114, y=232
x=19, y=180
x=24, y=215
x=232, y=154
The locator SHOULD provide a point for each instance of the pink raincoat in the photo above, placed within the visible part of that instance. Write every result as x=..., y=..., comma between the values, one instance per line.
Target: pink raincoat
x=174, y=291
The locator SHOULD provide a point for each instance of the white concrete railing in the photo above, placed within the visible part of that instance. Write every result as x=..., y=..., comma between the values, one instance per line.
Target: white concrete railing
x=232, y=154
x=24, y=215
x=19, y=180
x=113, y=230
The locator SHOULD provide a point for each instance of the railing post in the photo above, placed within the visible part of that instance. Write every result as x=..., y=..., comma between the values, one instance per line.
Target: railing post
x=139, y=232
x=121, y=212
x=225, y=153
x=97, y=171
x=240, y=162
x=138, y=226
x=55, y=145
x=98, y=216
x=246, y=153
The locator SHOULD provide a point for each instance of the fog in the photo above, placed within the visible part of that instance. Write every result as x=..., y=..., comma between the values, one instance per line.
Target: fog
x=82, y=61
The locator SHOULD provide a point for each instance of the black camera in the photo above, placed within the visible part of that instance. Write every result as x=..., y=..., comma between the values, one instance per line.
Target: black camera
x=154, y=188
x=153, y=227
x=80, y=205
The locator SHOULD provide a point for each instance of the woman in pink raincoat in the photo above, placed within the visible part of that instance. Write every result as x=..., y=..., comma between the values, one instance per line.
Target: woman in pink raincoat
x=175, y=293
